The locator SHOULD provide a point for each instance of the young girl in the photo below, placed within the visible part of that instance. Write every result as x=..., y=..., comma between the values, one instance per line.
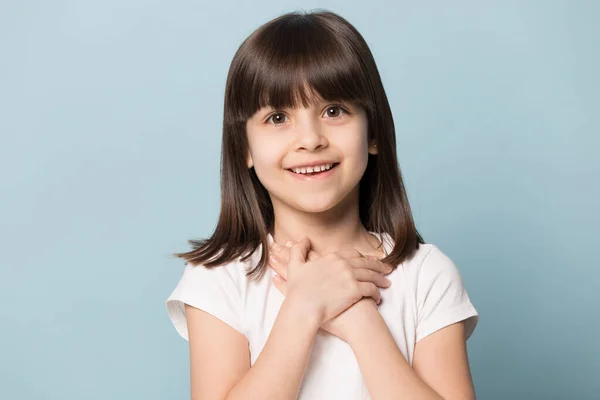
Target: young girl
x=316, y=283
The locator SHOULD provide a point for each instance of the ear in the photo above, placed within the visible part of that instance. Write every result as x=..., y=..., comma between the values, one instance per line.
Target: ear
x=249, y=160
x=373, y=147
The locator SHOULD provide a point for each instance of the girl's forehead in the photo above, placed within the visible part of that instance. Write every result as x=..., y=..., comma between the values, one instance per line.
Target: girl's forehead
x=314, y=104
x=295, y=91
x=305, y=97
x=293, y=97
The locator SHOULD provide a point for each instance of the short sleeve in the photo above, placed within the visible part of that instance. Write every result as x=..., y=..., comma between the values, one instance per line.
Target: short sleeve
x=441, y=297
x=215, y=291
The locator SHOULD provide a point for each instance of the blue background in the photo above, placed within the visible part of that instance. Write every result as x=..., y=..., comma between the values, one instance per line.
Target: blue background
x=110, y=121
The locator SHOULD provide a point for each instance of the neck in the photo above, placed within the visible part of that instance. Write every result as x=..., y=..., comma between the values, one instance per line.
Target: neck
x=328, y=231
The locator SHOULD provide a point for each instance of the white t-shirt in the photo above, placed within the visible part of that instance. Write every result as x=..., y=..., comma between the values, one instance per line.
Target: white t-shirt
x=426, y=295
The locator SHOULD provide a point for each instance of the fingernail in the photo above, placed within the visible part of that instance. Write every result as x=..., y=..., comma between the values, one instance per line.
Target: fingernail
x=388, y=282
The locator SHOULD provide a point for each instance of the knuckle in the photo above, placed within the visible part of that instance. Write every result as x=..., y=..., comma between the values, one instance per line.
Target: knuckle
x=353, y=253
x=355, y=288
x=348, y=265
x=341, y=263
x=332, y=256
x=348, y=274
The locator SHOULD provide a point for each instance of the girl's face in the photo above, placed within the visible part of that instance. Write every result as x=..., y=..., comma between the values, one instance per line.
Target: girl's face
x=285, y=144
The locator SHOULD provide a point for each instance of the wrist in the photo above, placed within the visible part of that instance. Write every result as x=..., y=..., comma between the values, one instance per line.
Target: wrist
x=363, y=320
x=303, y=310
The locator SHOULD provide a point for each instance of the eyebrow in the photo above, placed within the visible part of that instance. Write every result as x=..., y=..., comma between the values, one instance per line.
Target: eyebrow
x=347, y=103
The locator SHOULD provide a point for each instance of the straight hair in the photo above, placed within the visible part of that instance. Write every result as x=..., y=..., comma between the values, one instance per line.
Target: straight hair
x=273, y=67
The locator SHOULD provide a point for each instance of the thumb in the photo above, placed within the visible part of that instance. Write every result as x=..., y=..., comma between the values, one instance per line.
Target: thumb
x=299, y=251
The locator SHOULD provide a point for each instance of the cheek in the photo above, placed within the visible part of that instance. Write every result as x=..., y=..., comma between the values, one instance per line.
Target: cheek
x=265, y=149
x=354, y=147
x=353, y=144
x=267, y=158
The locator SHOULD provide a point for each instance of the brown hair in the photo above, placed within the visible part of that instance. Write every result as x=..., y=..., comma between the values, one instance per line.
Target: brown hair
x=272, y=67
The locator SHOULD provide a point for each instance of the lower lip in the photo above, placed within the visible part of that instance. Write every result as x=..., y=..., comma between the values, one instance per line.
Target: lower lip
x=317, y=177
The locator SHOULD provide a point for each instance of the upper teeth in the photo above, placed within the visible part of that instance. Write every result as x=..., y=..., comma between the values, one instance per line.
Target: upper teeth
x=315, y=168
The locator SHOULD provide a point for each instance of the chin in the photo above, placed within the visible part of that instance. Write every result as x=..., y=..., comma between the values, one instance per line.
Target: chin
x=316, y=206
x=314, y=210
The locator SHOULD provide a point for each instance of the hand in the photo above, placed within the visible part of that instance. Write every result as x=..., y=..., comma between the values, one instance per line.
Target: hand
x=342, y=323
x=351, y=319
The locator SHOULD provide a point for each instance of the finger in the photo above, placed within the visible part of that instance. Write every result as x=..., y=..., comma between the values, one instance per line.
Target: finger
x=374, y=265
x=280, y=284
x=299, y=251
x=276, y=246
x=282, y=252
x=367, y=275
x=370, y=290
x=349, y=253
x=313, y=255
x=278, y=266
x=373, y=256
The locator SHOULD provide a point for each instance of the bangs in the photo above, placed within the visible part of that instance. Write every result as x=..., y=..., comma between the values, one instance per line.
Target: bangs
x=297, y=61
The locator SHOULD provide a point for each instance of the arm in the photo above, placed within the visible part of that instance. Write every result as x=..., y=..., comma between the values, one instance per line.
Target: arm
x=440, y=362
x=220, y=358
x=279, y=369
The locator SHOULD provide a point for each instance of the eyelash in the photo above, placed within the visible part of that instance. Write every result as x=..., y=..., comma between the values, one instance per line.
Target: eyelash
x=344, y=111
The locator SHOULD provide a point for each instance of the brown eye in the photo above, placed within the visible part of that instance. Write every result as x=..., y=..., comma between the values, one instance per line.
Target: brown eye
x=334, y=111
x=277, y=118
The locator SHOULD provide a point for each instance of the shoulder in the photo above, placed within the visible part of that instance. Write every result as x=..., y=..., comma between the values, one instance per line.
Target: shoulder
x=428, y=258
x=220, y=291
x=413, y=261
x=235, y=269
x=231, y=277
x=441, y=296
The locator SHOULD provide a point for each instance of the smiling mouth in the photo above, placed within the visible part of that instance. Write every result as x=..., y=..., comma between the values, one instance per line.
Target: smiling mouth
x=314, y=173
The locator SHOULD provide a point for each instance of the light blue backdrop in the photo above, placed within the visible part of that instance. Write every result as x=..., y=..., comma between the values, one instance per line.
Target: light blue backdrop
x=110, y=121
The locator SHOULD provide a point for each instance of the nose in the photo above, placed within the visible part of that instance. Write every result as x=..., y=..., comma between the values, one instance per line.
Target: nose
x=310, y=136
